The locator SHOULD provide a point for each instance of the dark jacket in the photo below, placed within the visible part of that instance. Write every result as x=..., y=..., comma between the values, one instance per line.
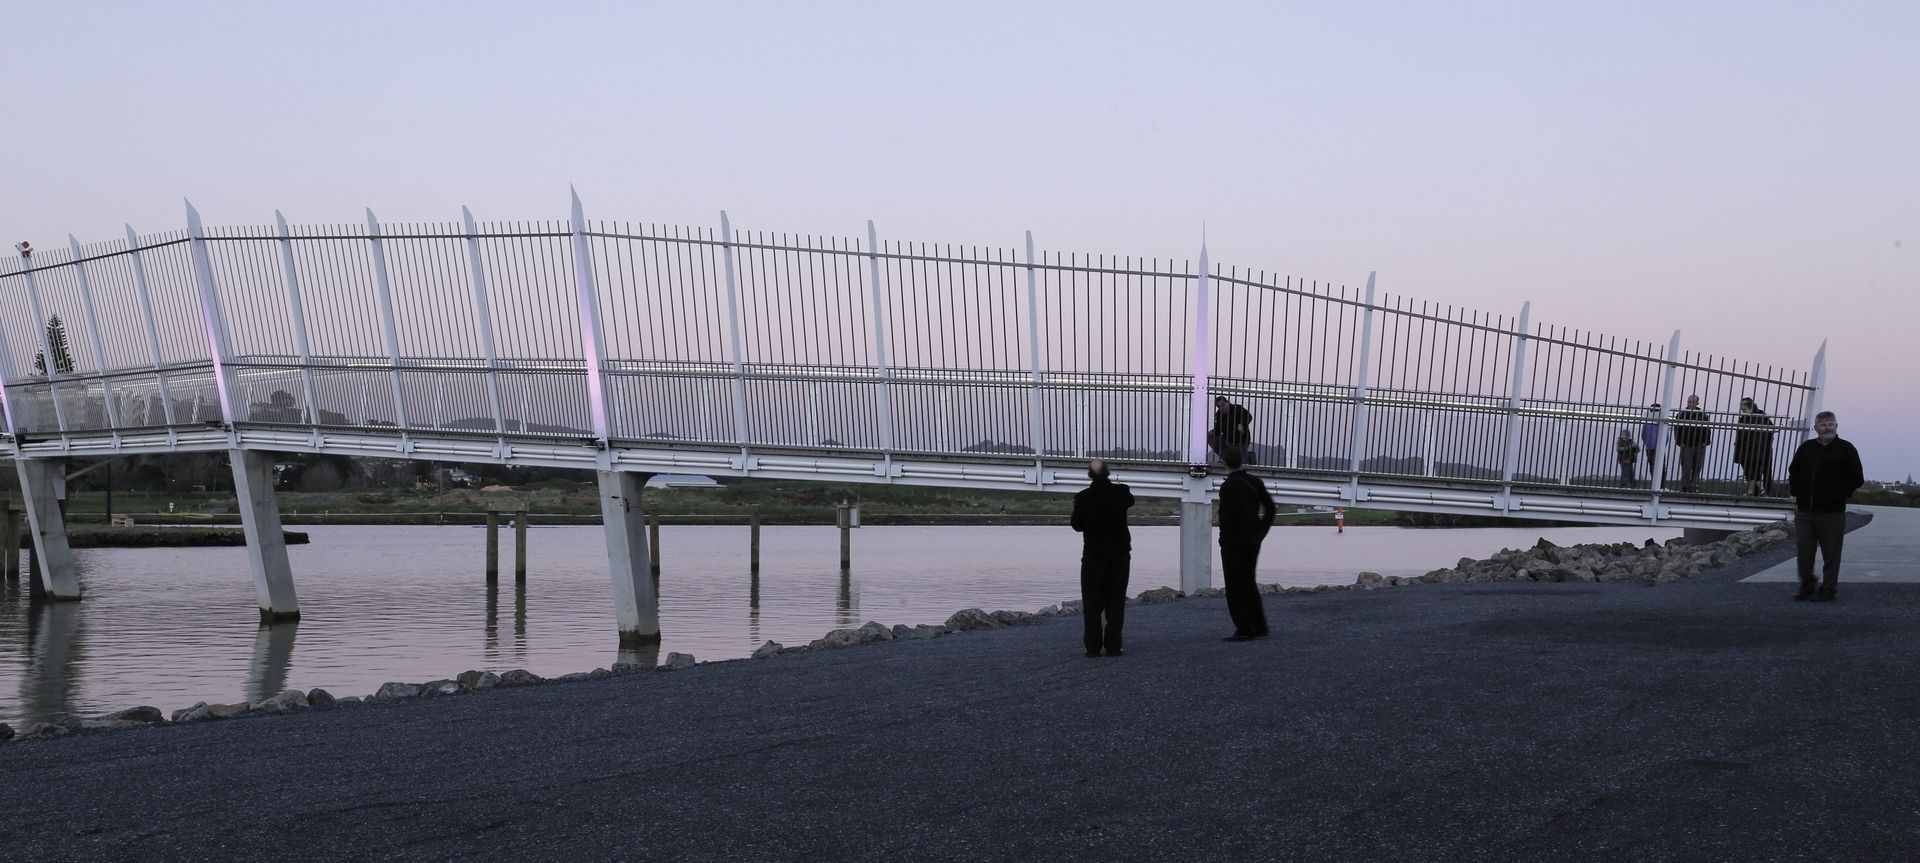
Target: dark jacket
x=1246, y=509
x=1100, y=515
x=1689, y=429
x=1823, y=476
x=1755, y=445
x=1227, y=424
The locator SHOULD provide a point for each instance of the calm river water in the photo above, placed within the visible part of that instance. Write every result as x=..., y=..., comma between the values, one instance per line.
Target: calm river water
x=169, y=627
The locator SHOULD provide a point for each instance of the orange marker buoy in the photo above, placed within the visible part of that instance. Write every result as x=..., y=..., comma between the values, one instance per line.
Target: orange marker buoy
x=1340, y=519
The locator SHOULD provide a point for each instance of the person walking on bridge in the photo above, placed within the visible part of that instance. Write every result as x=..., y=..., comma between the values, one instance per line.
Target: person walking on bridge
x=1825, y=472
x=1246, y=514
x=1692, y=437
x=1100, y=515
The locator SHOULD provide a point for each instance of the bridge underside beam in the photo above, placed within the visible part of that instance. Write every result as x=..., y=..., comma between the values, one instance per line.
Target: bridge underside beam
x=1579, y=505
x=266, y=542
x=636, y=605
x=43, y=484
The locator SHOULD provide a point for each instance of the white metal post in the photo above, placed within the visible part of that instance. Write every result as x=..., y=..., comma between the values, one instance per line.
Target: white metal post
x=636, y=603
x=592, y=337
x=1426, y=434
x=212, y=317
x=813, y=413
x=1080, y=425
x=42, y=485
x=483, y=319
x=153, y=327
x=733, y=335
x=297, y=313
x=945, y=439
x=1035, y=426
x=1359, y=448
x=266, y=541
x=1293, y=436
x=1815, y=398
x=389, y=331
x=1201, y=408
x=880, y=345
x=1516, y=392
x=1666, y=408
x=46, y=350
x=93, y=330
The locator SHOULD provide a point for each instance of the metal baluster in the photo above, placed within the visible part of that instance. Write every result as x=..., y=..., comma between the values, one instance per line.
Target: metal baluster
x=146, y=314
x=483, y=319
x=297, y=314
x=733, y=335
x=1516, y=391
x=384, y=293
x=93, y=330
x=880, y=349
x=211, y=315
x=592, y=337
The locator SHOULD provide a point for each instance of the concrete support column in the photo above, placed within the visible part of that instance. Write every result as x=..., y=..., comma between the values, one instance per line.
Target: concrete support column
x=266, y=541
x=43, y=485
x=636, y=606
x=1196, y=545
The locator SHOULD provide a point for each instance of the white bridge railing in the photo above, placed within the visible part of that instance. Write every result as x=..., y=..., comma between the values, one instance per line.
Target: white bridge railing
x=598, y=335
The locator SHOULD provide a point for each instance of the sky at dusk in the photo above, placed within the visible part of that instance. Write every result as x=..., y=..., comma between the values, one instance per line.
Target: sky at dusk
x=1746, y=173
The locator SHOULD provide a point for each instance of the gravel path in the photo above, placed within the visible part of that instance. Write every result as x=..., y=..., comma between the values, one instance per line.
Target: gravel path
x=1710, y=720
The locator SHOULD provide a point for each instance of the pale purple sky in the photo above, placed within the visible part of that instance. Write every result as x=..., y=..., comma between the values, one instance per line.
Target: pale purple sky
x=1748, y=173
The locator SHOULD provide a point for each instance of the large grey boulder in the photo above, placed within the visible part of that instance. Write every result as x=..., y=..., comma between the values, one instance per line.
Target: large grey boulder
x=478, y=680
x=229, y=711
x=436, y=687
x=768, y=649
x=396, y=692
x=1158, y=595
x=42, y=731
x=678, y=661
x=919, y=631
x=6, y=732
x=109, y=725
x=837, y=638
x=320, y=699
x=1369, y=581
x=285, y=702
x=968, y=619
x=873, y=631
x=136, y=714
x=520, y=677
x=1015, y=618
x=199, y=712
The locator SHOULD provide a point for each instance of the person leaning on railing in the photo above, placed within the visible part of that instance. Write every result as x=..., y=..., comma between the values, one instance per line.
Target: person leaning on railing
x=1692, y=437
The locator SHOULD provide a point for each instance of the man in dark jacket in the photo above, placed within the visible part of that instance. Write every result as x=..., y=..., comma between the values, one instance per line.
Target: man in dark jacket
x=1824, y=473
x=1692, y=437
x=1232, y=426
x=1100, y=515
x=1246, y=514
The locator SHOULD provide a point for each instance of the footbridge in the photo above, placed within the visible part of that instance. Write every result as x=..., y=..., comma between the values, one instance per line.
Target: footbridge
x=631, y=349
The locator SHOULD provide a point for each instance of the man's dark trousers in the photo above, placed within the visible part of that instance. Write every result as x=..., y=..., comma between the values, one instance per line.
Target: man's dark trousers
x=1103, y=590
x=1824, y=530
x=1249, y=614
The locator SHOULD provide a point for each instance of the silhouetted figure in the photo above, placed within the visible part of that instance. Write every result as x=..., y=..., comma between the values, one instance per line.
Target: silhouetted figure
x=1650, y=438
x=1232, y=426
x=1753, y=448
x=1626, y=452
x=1692, y=437
x=1100, y=515
x=1246, y=514
x=1825, y=472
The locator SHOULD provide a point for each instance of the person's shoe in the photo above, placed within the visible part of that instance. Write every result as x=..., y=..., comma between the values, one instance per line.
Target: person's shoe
x=1093, y=654
x=1824, y=594
x=1805, y=594
x=1238, y=636
x=1261, y=634
x=1116, y=652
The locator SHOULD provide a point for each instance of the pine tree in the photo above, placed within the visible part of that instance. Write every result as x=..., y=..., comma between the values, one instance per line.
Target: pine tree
x=57, y=340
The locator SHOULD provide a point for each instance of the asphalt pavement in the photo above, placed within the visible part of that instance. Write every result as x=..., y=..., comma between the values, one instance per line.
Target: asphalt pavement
x=1709, y=720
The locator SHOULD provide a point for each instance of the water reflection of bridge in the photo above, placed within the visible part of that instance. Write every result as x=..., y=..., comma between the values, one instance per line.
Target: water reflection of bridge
x=638, y=349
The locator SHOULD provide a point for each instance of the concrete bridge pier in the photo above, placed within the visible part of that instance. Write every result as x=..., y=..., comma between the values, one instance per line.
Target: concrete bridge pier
x=43, y=485
x=266, y=541
x=1196, y=545
x=636, y=603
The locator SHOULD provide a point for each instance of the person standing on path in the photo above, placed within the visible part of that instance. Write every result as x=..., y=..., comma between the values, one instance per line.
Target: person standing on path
x=1100, y=515
x=1691, y=435
x=1824, y=473
x=1246, y=514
